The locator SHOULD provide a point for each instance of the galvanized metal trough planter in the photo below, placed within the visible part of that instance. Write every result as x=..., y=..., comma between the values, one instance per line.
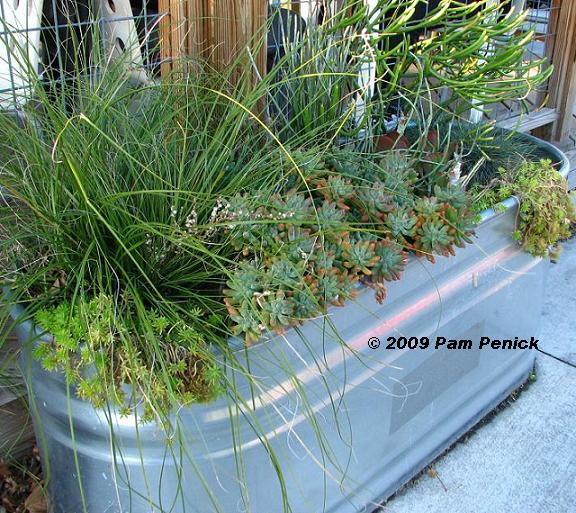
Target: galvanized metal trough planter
x=380, y=414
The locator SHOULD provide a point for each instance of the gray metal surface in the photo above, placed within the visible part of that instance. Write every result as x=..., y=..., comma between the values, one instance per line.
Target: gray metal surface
x=524, y=459
x=380, y=415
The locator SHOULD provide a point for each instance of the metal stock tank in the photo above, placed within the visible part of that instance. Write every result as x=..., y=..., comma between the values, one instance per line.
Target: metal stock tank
x=344, y=428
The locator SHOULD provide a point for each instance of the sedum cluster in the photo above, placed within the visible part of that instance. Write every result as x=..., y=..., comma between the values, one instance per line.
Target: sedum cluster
x=546, y=210
x=90, y=345
x=353, y=223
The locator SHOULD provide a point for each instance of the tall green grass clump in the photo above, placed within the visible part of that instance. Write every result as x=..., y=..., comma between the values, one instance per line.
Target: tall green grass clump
x=115, y=200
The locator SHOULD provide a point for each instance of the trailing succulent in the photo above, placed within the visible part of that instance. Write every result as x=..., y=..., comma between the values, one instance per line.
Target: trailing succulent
x=546, y=211
x=353, y=223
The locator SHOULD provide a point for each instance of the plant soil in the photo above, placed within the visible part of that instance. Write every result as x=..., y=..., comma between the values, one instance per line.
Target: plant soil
x=21, y=485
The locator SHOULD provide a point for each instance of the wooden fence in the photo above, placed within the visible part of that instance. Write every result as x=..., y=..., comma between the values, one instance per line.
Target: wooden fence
x=562, y=90
x=216, y=30
x=551, y=113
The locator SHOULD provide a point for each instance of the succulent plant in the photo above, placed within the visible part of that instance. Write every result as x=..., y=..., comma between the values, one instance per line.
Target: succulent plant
x=348, y=288
x=324, y=261
x=247, y=321
x=294, y=205
x=298, y=243
x=360, y=257
x=401, y=224
x=344, y=163
x=375, y=200
x=335, y=189
x=305, y=304
x=331, y=217
x=546, y=213
x=329, y=290
x=85, y=333
x=396, y=163
x=391, y=263
x=241, y=207
x=245, y=282
x=286, y=274
x=434, y=238
x=452, y=194
x=461, y=225
x=310, y=252
x=244, y=235
x=399, y=173
x=278, y=311
x=427, y=206
x=308, y=162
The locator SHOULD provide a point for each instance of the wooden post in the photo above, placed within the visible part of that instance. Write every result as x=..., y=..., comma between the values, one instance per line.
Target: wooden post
x=562, y=86
x=237, y=29
x=178, y=29
x=220, y=31
x=165, y=37
x=197, y=38
x=567, y=106
x=182, y=31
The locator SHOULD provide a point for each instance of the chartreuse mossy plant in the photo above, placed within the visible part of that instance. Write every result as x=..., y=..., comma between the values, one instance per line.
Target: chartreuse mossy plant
x=546, y=210
x=88, y=341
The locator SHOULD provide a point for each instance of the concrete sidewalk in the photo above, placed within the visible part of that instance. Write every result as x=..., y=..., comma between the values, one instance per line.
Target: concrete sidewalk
x=524, y=459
